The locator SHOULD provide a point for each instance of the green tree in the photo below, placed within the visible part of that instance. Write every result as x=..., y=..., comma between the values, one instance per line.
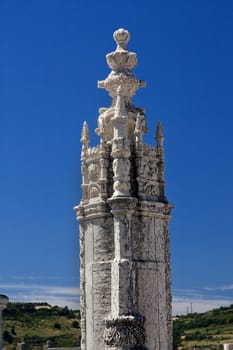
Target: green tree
x=13, y=330
x=57, y=325
x=8, y=337
x=75, y=324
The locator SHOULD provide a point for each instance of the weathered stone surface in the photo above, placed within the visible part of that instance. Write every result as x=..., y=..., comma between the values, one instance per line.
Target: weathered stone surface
x=3, y=304
x=124, y=216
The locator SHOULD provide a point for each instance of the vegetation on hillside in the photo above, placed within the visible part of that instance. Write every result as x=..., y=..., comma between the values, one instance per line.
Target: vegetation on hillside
x=38, y=323
x=206, y=330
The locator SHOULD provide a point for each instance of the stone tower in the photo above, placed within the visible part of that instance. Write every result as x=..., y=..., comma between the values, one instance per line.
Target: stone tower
x=124, y=216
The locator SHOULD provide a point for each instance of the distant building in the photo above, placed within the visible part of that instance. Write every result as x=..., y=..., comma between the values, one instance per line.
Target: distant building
x=41, y=307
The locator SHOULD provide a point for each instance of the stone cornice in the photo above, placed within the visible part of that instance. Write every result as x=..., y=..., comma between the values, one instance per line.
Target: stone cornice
x=123, y=205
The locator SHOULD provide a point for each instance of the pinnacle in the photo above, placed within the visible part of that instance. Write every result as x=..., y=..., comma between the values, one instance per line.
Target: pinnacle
x=85, y=134
x=159, y=134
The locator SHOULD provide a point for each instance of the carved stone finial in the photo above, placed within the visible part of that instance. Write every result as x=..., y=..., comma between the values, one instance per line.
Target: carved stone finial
x=121, y=37
x=121, y=61
x=159, y=134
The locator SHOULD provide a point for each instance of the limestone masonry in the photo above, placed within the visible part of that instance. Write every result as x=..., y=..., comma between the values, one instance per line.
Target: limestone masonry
x=124, y=217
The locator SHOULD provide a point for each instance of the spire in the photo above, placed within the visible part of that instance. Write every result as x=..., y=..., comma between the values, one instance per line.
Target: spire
x=159, y=134
x=160, y=155
x=85, y=136
x=121, y=84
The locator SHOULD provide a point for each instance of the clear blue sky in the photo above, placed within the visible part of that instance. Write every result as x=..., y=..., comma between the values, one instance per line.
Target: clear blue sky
x=52, y=54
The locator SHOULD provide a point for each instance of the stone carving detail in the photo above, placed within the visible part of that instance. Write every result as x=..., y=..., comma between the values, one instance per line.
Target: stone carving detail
x=120, y=148
x=123, y=332
x=121, y=167
x=93, y=172
x=104, y=129
x=148, y=185
x=124, y=335
x=151, y=190
x=119, y=145
x=121, y=175
x=146, y=206
x=93, y=191
x=150, y=170
x=140, y=128
x=121, y=61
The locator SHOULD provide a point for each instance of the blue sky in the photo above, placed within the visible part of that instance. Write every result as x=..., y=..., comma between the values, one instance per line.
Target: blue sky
x=52, y=55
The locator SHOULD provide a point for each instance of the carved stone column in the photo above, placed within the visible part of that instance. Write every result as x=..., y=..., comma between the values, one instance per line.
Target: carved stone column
x=124, y=328
x=123, y=271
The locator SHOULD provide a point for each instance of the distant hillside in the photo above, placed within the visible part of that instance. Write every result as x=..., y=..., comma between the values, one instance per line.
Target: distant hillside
x=37, y=323
x=206, y=330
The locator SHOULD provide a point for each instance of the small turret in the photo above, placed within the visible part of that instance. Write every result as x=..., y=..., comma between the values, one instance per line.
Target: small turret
x=85, y=139
x=160, y=155
x=159, y=134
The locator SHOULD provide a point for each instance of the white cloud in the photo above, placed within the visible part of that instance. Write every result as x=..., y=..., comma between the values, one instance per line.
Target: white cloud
x=201, y=299
x=220, y=288
x=181, y=306
x=48, y=289
x=54, y=295
x=34, y=278
x=41, y=278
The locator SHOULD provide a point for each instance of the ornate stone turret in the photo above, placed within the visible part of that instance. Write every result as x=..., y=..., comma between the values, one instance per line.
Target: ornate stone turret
x=124, y=215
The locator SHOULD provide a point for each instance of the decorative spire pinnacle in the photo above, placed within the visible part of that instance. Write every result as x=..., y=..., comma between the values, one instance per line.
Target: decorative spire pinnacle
x=85, y=135
x=159, y=134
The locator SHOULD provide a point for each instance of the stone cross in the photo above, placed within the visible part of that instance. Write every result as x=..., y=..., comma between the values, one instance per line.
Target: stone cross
x=124, y=222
